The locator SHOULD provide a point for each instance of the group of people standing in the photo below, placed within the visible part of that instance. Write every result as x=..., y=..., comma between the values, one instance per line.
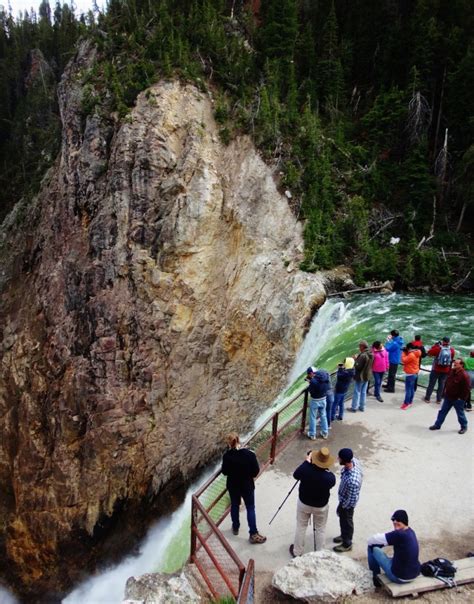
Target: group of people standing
x=316, y=480
x=447, y=374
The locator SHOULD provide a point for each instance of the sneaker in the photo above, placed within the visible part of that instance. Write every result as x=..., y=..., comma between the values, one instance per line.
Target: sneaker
x=462, y=431
x=404, y=406
x=292, y=552
x=380, y=399
x=311, y=437
x=339, y=419
x=351, y=409
x=324, y=436
x=342, y=548
x=361, y=410
x=337, y=539
x=235, y=531
x=376, y=581
x=257, y=538
x=426, y=400
x=434, y=427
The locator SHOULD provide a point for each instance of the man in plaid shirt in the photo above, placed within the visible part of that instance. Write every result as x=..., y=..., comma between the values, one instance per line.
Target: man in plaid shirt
x=349, y=489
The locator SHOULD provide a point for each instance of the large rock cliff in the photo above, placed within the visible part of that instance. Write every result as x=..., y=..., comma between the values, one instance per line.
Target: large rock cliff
x=149, y=305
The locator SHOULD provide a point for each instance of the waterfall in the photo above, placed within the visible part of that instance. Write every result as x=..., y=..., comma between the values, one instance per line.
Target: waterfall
x=324, y=326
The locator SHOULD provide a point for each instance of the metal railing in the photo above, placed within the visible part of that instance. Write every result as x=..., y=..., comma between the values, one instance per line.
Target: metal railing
x=219, y=565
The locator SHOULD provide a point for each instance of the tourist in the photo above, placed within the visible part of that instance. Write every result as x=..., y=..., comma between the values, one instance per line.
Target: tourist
x=443, y=355
x=363, y=370
x=469, y=367
x=349, y=490
x=411, y=367
x=456, y=392
x=379, y=367
x=241, y=467
x=344, y=377
x=404, y=566
x=316, y=481
x=417, y=344
x=393, y=346
x=319, y=383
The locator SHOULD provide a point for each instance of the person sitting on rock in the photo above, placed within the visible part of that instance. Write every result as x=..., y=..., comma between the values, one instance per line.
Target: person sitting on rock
x=404, y=566
x=240, y=465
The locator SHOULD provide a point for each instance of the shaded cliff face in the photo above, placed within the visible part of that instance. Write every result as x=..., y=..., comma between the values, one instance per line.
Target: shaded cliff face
x=148, y=307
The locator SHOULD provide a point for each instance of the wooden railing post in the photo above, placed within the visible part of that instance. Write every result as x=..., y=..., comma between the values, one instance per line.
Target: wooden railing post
x=305, y=408
x=274, y=437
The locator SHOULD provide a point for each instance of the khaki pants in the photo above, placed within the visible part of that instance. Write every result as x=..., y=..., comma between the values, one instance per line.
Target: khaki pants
x=303, y=516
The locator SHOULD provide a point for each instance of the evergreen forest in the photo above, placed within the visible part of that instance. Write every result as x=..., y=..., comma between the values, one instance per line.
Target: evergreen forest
x=363, y=106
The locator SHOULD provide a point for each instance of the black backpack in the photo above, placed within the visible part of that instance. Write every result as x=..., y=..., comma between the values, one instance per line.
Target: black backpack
x=441, y=568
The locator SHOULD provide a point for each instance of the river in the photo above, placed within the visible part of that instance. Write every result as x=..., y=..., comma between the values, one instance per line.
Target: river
x=334, y=334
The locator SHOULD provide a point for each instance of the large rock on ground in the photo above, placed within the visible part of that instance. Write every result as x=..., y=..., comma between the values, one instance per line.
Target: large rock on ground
x=159, y=588
x=146, y=310
x=322, y=576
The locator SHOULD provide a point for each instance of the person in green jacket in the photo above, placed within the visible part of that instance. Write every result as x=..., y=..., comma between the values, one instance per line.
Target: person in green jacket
x=469, y=367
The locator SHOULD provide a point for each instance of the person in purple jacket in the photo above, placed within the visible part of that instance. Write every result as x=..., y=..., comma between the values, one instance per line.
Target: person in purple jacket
x=404, y=566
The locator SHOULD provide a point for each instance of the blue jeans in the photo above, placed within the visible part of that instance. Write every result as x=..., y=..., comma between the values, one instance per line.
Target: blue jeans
x=377, y=560
x=249, y=500
x=378, y=377
x=410, y=381
x=329, y=404
x=317, y=407
x=358, y=398
x=338, y=406
x=446, y=407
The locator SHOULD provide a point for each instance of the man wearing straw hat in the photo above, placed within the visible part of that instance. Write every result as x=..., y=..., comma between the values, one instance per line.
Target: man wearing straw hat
x=316, y=481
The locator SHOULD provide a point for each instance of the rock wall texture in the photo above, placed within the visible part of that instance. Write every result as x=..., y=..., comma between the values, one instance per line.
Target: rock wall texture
x=149, y=304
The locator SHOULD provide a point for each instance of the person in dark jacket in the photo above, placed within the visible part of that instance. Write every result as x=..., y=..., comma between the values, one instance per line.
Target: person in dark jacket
x=316, y=481
x=456, y=391
x=363, y=371
x=319, y=384
x=241, y=467
x=393, y=346
x=404, y=566
x=344, y=377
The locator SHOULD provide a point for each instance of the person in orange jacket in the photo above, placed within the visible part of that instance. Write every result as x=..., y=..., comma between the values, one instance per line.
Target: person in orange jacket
x=411, y=367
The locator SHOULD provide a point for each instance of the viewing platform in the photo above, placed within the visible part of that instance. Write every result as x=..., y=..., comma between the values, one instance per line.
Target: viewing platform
x=428, y=473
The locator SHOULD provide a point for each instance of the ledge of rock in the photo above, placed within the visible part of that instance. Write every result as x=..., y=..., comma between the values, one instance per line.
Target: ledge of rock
x=160, y=588
x=322, y=576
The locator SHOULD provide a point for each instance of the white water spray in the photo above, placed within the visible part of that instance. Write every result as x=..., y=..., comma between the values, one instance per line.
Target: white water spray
x=325, y=324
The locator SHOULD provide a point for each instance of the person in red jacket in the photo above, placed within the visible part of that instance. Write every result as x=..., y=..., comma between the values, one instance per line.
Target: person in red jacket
x=456, y=392
x=443, y=355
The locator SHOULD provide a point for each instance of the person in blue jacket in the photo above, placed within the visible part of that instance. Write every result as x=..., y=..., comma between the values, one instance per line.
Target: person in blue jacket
x=345, y=375
x=319, y=384
x=394, y=347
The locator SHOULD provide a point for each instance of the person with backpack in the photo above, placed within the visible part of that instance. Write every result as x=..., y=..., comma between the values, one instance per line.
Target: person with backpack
x=411, y=367
x=379, y=367
x=443, y=355
x=456, y=391
x=344, y=377
x=241, y=467
x=404, y=566
x=319, y=384
x=393, y=346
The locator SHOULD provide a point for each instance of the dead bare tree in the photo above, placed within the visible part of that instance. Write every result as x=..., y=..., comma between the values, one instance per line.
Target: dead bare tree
x=419, y=117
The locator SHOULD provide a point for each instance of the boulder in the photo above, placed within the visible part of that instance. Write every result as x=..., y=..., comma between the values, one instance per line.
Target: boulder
x=160, y=588
x=322, y=576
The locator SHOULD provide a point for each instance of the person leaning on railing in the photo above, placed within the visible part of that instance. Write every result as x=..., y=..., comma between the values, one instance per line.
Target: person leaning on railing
x=240, y=465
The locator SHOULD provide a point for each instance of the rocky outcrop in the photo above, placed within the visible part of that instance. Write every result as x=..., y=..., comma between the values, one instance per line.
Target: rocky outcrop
x=322, y=577
x=149, y=305
x=159, y=588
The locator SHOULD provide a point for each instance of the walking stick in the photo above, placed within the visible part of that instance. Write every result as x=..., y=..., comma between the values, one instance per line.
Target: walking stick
x=314, y=533
x=283, y=502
